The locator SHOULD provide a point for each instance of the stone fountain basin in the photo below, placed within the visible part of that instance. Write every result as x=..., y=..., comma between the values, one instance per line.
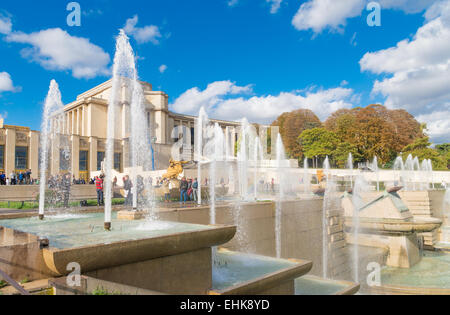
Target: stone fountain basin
x=82, y=239
x=394, y=226
x=103, y=256
x=247, y=274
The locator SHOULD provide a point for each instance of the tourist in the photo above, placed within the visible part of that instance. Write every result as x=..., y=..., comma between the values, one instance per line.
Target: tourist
x=13, y=178
x=2, y=179
x=195, y=189
x=8, y=181
x=190, y=190
x=114, y=181
x=273, y=185
x=99, y=188
x=21, y=178
x=65, y=189
x=183, y=190
x=28, y=177
x=128, y=186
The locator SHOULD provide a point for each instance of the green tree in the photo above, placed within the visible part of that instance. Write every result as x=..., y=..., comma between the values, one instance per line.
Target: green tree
x=318, y=142
x=340, y=155
x=421, y=148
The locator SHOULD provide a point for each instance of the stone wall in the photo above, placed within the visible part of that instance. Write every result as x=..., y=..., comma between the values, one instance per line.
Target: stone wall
x=301, y=230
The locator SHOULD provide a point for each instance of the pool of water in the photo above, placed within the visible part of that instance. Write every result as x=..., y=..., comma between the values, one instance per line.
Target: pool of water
x=231, y=269
x=73, y=230
x=310, y=285
x=433, y=271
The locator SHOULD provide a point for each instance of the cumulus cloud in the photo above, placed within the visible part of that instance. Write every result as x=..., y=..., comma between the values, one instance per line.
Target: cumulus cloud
x=5, y=25
x=55, y=49
x=6, y=83
x=227, y=100
x=144, y=34
x=319, y=15
x=417, y=71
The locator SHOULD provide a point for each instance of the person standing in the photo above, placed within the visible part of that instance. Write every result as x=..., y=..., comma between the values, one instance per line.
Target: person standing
x=195, y=189
x=65, y=187
x=128, y=186
x=183, y=190
x=99, y=188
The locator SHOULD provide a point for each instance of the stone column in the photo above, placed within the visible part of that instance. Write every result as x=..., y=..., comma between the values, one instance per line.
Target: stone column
x=10, y=151
x=93, y=154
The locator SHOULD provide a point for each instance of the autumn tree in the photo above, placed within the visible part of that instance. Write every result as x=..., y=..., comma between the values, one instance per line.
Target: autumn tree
x=292, y=125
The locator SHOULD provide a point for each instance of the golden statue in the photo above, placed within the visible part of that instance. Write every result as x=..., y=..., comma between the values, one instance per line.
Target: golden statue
x=175, y=169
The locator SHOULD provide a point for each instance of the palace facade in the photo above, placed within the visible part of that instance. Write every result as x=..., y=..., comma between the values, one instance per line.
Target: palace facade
x=85, y=129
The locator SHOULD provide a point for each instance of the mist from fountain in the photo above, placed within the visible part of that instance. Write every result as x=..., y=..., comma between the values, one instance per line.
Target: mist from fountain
x=51, y=128
x=399, y=166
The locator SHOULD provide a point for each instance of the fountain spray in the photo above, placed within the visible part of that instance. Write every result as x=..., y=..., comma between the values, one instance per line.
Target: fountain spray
x=53, y=107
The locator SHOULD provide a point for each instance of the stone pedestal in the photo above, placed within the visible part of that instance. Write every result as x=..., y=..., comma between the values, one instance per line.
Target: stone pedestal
x=128, y=215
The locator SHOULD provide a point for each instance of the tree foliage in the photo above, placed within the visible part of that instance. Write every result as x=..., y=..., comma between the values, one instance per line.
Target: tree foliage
x=292, y=125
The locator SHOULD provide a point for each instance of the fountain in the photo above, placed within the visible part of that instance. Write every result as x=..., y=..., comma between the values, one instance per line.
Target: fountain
x=51, y=129
x=377, y=171
x=306, y=178
x=399, y=166
x=281, y=157
x=350, y=167
x=200, y=125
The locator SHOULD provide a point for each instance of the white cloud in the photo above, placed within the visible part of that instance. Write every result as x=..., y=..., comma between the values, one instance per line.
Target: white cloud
x=5, y=25
x=224, y=99
x=144, y=34
x=438, y=124
x=6, y=83
x=55, y=49
x=418, y=71
x=408, y=6
x=162, y=68
x=319, y=15
x=275, y=5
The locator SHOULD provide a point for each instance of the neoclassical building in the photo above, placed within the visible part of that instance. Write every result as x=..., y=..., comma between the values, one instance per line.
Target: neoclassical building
x=85, y=133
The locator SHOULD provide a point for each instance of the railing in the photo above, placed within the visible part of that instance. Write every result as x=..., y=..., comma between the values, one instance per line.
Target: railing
x=14, y=284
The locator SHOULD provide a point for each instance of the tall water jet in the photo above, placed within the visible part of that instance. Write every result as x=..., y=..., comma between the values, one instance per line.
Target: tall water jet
x=330, y=190
x=200, y=126
x=416, y=173
x=409, y=170
x=430, y=169
x=377, y=171
x=361, y=187
x=281, y=158
x=123, y=71
x=306, y=178
x=51, y=128
x=257, y=157
x=350, y=167
x=399, y=166
x=243, y=159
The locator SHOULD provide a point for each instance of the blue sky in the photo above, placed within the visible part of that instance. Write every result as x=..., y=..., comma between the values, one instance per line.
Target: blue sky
x=236, y=57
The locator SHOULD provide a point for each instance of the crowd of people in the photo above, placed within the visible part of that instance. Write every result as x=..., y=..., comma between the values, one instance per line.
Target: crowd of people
x=20, y=178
